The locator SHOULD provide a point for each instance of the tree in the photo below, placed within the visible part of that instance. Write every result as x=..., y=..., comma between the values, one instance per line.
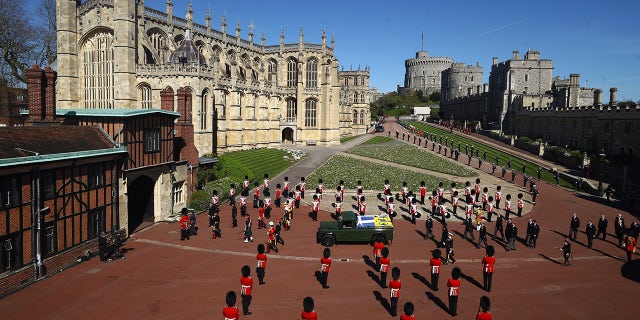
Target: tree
x=435, y=97
x=25, y=41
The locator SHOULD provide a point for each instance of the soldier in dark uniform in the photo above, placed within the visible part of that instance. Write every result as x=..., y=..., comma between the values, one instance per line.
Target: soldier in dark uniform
x=482, y=236
x=513, y=175
x=539, y=172
x=479, y=163
x=468, y=228
x=534, y=233
x=504, y=171
x=573, y=228
x=493, y=168
x=429, y=227
x=602, y=227
x=566, y=251
x=534, y=192
x=448, y=245
x=498, y=228
x=591, y=233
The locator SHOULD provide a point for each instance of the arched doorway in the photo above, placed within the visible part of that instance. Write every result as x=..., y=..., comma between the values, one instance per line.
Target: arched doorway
x=140, y=202
x=287, y=135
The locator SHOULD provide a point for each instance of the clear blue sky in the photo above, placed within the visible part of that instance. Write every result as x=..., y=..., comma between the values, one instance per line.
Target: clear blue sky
x=600, y=40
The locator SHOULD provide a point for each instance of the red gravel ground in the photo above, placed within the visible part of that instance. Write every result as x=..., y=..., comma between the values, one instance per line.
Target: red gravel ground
x=164, y=278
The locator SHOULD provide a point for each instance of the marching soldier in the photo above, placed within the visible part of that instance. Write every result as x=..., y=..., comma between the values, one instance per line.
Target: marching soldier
x=520, y=204
x=498, y=196
x=468, y=228
x=448, y=246
x=395, y=286
x=245, y=290
x=378, y=244
x=573, y=227
x=591, y=233
x=262, y=264
x=302, y=184
x=243, y=203
x=414, y=210
x=245, y=184
x=232, y=194
x=602, y=227
x=507, y=206
x=489, y=208
x=454, y=286
x=325, y=265
x=498, y=228
x=278, y=196
x=408, y=312
x=477, y=189
x=483, y=310
x=485, y=198
x=285, y=186
x=467, y=192
x=385, y=261
x=315, y=206
x=535, y=231
x=435, y=263
x=454, y=202
x=631, y=247
x=184, y=224
x=429, y=228
x=453, y=191
x=487, y=267
x=271, y=236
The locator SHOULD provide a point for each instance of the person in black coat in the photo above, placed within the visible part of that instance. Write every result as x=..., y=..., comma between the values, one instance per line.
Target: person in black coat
x=498, y=228
x=573, y=227
x=591, y=233
x=602, y=227
x=535, y=231
x=468, y=228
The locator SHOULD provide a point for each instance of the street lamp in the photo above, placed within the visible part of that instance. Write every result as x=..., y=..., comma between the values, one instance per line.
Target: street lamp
x=602, y=156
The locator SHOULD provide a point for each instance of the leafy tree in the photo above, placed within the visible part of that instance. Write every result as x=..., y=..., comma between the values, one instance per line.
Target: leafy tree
x=25, y=41
x=435, y=97
x=398, y=104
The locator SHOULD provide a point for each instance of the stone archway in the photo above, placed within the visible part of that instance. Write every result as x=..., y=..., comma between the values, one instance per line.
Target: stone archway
x=140, y=202
x=287, y=135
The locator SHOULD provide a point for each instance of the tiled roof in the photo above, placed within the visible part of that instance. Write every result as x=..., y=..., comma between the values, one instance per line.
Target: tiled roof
x=112, y=112
x=17, y=142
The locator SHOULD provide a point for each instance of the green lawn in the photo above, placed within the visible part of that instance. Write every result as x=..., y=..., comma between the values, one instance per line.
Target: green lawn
x=261, y=161
x=345, y=139
x=413, y=156
x=516, y=163
x=378, y=139
x=372, y=175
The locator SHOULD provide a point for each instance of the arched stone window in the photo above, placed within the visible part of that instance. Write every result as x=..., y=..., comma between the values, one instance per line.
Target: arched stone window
x=202, y=110
x=272, y=70
x=310, y=112
x=362, y=117
x=144, y=96
x=292, y=73
x=355, y=116
x=97, y=74
x=291, y=110
x=312, y=73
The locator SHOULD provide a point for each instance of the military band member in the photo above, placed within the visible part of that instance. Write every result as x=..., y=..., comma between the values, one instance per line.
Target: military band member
x=395, y=286
x=271, y=236
x=325, y=265
x=434, y=202
x=440, y=192
x=498, y=228
x=243, y=203
x=423, y=192
x=246, y=285
x=520, y=204
x=303, y=186
x=362, y=207
x=386, y=187
x=452, y=191
x=403, y=191
x=504, y=172
x=391, y=208
x=591, y=233
x=308, y=312
x=489, y=208
x=413, y=209
x=315, y=207
x=256, y=195
x=245, y=184
x=232, y=194
x=265, y=182
x=320, y=188
x=487, y=267
x=410, y=198
x=467, y=192
x=285, y=185
x=477, y=188
x=454, y=289
x=297, y=197
x=602, y=227
x=230, y=312
x=498, y=196
x=277, y=200
x=262, y=264
x=435, y=263
x=573, y=227
x=507, y=206
x=385, y=261
x=429, y=228
x=454, y=202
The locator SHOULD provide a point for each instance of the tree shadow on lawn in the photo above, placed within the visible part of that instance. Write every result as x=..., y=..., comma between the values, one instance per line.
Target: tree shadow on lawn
x=383, y=301
x=437, y=301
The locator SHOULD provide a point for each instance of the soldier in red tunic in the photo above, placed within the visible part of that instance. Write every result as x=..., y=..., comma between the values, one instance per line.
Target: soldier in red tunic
x=378, y=244
x=487, y=267
x=395, y=286
x=308, y=312
x=454, y=287
x=325, y=264
x=262, y=263
x=245, y=290
x=435, y=263
x=271, y=241
x=230, y=312
x=483, y=310
x=385, y=261
x=315, y=206
x=184, y=224
x=408, y=312
x=631, y=247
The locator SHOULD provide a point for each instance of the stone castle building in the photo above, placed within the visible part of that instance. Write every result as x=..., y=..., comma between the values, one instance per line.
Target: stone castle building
x=423, y=73
x=523, y=98
x=355, y=96
x=241, y=94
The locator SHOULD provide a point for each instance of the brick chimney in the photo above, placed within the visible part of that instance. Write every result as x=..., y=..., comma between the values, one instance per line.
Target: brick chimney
x=183, y=93
x=34, y=91
x=50, y=95
x=184, y=140
x=166, y=99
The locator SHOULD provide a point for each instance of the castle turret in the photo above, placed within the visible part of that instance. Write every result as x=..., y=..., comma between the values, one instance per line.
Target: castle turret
x=597, y=98
x=67, y=55
x=516, y=55
x=124, y=45
x=612, y=96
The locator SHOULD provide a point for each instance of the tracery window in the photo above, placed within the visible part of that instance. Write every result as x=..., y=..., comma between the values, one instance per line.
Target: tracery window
x=273, y=72
x=97, y=75
x=202, y=111
x=291, y=110
x=292, y=73
x=144, y=96
x=310, y=113
x=312, y=73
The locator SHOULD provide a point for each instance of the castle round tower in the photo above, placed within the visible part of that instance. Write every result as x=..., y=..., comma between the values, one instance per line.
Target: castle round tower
x=461, y=80
x=423, y=73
